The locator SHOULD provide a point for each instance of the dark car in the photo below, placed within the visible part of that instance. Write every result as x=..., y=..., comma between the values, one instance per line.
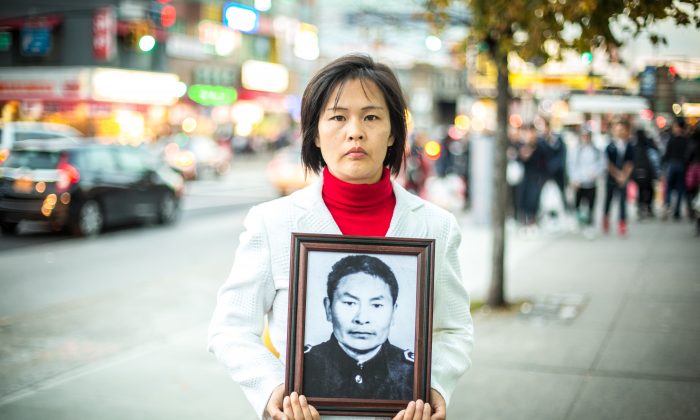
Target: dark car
x=84, y=186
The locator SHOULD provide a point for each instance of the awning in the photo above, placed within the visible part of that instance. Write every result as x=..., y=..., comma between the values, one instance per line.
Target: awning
x=613, y=104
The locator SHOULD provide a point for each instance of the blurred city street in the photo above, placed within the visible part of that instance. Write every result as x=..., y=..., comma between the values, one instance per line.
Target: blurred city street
x=135, y=135
x=115, y=327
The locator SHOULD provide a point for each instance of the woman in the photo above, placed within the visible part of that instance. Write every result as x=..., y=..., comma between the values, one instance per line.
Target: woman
x=645, y=173
x=354, y=131
x=586, y=166
x=534, y=159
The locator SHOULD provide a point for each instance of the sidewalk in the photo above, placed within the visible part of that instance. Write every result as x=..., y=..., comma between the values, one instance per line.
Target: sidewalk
x=631, y=353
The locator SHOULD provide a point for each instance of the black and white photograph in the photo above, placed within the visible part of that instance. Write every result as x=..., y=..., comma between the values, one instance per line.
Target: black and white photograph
x=358, y=346
x=360, y=314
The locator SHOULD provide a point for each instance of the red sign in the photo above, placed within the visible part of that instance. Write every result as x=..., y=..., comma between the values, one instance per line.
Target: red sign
x=104, y=33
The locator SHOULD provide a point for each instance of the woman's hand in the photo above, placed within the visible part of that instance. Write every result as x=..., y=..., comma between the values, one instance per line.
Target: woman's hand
x=418, y=410
x=293, y=407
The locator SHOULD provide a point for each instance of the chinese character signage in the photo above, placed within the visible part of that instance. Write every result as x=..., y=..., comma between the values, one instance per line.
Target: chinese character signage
x=104, y=31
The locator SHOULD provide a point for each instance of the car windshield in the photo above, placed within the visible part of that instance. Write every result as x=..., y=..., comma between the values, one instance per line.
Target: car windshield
x=32, y=159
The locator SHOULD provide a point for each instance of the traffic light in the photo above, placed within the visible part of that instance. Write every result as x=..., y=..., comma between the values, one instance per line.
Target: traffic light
x=587, y=57
x=140, y=37
x=161, y=13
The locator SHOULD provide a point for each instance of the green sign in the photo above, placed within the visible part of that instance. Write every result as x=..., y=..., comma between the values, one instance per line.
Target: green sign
x=209, y=95
x=5, y=41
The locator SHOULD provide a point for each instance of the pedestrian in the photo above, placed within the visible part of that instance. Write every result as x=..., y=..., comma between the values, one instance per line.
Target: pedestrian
x=674, y=161
x=555, y=150
x=692, y=177
x=646, y=170
x=533, y=157
x=353, y=123
x=620, y=162
x=586, y=165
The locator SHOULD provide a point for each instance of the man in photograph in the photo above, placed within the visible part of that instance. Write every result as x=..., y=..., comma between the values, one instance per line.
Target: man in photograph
x=358, y=361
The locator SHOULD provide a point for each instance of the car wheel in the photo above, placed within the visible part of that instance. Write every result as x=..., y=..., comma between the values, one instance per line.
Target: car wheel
x=90, y=219
x=167, y=209
x=9, y=228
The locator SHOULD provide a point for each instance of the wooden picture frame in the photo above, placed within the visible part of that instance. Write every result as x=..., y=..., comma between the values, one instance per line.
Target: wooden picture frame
x=368, y=320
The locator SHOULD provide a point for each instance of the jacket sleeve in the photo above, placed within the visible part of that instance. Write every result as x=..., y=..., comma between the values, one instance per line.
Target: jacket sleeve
x=453, y=329
x=238, y=321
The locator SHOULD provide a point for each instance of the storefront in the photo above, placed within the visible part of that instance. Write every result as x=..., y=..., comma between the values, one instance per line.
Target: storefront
x=126, y=105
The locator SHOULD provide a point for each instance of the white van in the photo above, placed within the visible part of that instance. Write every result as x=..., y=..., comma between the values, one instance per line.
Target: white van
x=22, y=130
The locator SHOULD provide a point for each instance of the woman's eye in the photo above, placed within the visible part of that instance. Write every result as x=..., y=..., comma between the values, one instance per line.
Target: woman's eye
x=337, y=118
x=371, y=117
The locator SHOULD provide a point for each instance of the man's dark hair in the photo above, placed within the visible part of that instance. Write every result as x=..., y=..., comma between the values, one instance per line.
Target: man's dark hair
x=337, y=73
x=362, y=264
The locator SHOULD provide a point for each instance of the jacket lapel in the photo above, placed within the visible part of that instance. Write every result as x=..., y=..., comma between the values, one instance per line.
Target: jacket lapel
x=314, y=216
x=404, y=222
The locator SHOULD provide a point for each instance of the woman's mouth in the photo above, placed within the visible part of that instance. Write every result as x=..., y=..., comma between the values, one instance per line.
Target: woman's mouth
x=356, y=153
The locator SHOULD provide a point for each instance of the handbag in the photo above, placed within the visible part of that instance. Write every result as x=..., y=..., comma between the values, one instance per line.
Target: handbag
x=514, y=172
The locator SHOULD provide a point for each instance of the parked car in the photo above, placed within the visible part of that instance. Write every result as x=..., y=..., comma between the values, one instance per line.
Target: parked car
x=85, y=186
x=285, y=171
x=16, y=131
x=196, y=156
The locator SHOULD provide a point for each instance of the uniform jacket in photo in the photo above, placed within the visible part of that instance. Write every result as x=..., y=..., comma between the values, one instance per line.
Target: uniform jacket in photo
x=330, y=372
x=259, y=280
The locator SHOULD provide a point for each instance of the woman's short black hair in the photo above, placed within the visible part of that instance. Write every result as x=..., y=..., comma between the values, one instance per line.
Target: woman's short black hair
x=337, y=73
x=361, y=264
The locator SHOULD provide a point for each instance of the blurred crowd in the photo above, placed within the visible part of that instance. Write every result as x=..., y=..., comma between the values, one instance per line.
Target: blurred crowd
x=549, y=176
x=575, y=174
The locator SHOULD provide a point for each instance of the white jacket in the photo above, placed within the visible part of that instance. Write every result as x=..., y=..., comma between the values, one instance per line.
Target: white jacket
x=259, y=280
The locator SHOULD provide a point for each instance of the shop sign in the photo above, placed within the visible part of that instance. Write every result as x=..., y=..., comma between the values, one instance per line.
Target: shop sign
x=135, y=87
x=5, y=41
x=45, y=84
x=209, y=95
x=263, y=76
x=104, y=33
x=36, y=40
x=188, y=47
x=241, y=18
x=214, y=75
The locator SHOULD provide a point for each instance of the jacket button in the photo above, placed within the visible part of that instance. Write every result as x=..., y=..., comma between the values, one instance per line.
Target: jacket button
x=358, y=379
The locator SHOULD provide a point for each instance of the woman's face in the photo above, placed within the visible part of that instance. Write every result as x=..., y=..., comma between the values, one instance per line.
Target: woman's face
x=354, y=135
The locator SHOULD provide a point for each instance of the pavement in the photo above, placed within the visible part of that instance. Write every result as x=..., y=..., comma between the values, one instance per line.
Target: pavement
x=600, y=329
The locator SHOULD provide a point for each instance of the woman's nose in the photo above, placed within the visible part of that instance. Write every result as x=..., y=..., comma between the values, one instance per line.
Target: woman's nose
x=355, y=130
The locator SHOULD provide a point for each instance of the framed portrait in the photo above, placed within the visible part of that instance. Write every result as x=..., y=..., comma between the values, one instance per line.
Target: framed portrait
x=360, y=322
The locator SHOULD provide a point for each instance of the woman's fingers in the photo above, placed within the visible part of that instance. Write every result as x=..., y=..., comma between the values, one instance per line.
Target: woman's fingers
x=287, y=405
x=426, y=411
x=399, y=415
x=296, y=406
x=418, y=415
x=274, y=405
x=305, y=407
x=314, y=413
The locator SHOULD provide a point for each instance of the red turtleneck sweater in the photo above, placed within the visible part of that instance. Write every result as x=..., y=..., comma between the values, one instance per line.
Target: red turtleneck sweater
x=360, y=209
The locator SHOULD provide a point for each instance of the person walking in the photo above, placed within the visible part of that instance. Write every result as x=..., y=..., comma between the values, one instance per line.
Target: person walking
x=353, y=123
x=620, y=162
x=533, y=156
x=586, y=165
x=674, y=161
x=646, y=169
x=692, y=177
x=555, y=151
